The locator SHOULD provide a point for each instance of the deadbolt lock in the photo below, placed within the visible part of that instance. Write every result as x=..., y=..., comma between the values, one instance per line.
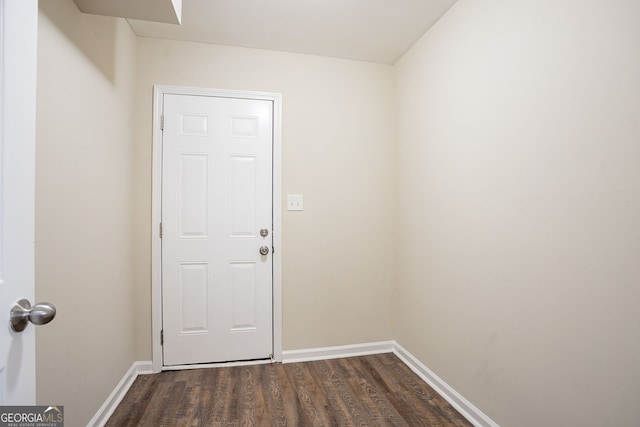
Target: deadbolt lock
x=264, y=232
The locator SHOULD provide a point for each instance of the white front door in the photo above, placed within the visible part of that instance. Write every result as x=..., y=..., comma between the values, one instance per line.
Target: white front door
x=217, y=215
x=18, y=49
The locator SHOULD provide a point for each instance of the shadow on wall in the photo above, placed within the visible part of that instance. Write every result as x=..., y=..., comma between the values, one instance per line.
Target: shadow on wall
x=94, y=36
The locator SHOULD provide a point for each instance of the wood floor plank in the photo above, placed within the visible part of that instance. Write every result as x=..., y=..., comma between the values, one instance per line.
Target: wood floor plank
x=340, y=398
x=282, y=402
x=222, y=382
x=375, y=393
x=313, y=402
x=402, y=394
x=246, y=410
x=447, y=414
x=376, y=390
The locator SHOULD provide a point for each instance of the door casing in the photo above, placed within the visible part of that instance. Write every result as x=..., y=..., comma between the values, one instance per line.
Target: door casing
x=18, y=69
x=156, y=214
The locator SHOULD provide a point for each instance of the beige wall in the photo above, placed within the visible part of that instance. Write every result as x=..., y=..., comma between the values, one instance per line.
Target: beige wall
x=84, y=191
x=514, y=188
x=338, y=150
x=519, y=200
x=93, y=261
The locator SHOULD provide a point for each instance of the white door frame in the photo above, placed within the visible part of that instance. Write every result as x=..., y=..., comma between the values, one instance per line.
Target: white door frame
x=18, y=69
x=156, y=210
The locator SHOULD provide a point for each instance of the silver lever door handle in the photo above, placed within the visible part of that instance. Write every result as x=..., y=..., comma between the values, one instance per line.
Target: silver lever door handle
x=22, y=313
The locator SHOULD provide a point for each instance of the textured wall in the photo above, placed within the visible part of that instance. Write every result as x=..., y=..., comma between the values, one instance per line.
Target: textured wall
x=519, y=198
x=84, y=190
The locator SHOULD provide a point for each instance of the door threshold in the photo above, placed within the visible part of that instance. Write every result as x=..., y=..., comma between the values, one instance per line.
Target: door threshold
x=219, y=364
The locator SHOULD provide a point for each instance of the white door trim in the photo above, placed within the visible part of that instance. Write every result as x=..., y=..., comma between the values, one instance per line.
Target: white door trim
x=18, y=69
x=156, y=211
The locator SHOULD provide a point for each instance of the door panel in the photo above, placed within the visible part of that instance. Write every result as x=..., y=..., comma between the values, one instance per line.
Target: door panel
x=244, y=311
x=194, y=290
x=193, y=195
x=216, y=196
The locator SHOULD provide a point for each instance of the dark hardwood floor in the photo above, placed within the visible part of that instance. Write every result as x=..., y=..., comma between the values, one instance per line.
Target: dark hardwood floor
x=377, y=390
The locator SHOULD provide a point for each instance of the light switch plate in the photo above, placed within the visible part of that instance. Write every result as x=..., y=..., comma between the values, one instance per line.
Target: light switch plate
x=295, y=202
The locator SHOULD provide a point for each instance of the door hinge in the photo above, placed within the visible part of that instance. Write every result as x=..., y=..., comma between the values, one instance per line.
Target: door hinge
x=162, y=122
x=160, y=230
x=161, y=336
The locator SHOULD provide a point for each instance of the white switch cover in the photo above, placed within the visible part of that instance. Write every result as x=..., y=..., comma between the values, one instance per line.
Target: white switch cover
x=294, y=202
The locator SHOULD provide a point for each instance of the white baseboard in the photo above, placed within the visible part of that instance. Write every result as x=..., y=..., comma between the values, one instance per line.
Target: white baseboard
x=474, y=415
x=323, y=353
x=109, y=406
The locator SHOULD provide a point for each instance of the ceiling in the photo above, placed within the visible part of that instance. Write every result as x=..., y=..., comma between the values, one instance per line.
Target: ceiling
x=366, y=30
